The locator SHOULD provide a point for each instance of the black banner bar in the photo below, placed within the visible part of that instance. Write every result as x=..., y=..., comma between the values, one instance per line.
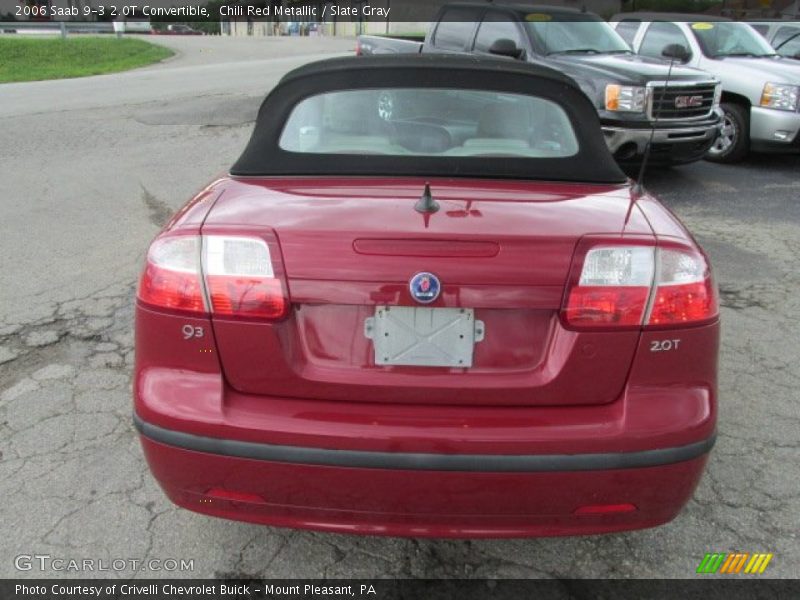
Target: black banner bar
x=733, y=587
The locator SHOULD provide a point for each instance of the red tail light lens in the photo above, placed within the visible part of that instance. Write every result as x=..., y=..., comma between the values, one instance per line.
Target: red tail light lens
x=683, y=304
x=171, y=277
x=243, y=276
x=598, y=306
x=613, y=287
x=685, y=290
x=241, y=279
x=635, y=285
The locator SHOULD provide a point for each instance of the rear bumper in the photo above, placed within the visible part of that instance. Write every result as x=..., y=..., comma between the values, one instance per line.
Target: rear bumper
x=424, y=461
x=423, y=503
x=424, y=470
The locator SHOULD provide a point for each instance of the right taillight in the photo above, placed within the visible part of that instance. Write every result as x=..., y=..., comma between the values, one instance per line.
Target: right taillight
x=684, y=289
x=631, y=285
x=226, y=275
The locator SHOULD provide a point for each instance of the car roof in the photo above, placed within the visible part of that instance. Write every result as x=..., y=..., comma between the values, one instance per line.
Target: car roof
x=434, y=61
x=667, y=16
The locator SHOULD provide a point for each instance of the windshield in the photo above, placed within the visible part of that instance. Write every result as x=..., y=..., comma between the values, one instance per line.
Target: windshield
x=429, y=122
x=577, y=37
x=722, y=39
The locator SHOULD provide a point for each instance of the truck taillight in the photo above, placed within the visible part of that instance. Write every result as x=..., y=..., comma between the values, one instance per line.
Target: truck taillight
x=225, y=275
x=637, y=285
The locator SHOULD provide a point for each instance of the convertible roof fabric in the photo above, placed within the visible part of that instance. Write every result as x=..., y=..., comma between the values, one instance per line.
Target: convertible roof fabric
x=264, y=157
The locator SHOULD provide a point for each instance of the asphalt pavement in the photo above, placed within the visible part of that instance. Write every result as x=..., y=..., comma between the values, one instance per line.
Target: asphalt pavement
x=93, y=167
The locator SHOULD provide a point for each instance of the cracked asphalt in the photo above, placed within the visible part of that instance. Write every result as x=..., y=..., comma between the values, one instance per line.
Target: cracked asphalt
x=93, y=168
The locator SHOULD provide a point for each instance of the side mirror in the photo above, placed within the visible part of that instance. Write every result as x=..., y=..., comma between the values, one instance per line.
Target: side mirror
x=677, y=52
x=505, y=47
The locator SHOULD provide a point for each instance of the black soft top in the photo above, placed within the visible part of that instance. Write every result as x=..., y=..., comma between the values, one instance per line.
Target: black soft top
x=427, y=62
x=264, y=157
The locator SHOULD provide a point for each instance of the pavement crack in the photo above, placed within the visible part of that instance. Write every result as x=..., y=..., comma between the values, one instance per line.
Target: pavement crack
x=160, y=212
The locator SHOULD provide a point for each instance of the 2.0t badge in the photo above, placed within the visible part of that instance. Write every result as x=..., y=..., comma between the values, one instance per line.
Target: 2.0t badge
x=425, y=287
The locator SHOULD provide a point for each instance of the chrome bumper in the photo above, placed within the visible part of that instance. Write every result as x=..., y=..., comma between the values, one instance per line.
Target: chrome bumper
x=617, y=137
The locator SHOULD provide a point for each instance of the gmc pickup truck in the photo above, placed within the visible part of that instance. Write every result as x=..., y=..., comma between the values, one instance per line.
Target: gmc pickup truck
x=628, y=91
x=760, y=88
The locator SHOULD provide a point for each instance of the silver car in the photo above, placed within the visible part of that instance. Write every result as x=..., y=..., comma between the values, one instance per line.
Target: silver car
x=760, y=90
x=784, y=36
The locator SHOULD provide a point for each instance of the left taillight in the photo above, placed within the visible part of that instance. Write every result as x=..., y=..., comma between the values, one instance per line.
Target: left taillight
x=631, y=286
x=171, y=278
x=224, y=275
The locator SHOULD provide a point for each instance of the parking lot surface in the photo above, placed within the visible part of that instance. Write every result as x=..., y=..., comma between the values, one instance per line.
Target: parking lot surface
x=94, y=167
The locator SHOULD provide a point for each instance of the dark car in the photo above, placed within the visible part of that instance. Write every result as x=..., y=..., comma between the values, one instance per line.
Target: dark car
x=629, y=92
x=463, y=322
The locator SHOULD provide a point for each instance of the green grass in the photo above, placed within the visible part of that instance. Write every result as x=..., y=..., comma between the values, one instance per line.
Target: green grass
x=32, y=59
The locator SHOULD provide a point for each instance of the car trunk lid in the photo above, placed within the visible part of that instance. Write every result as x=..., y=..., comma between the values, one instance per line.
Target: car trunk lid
x=501, y=250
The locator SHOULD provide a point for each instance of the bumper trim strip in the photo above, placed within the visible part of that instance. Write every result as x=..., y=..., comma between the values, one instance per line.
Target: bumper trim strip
x=492, y=463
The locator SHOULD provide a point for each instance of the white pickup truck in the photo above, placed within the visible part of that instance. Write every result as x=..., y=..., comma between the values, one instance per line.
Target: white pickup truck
x=760, y=89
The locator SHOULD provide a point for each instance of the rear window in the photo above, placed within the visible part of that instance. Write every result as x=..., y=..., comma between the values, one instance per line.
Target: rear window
x=429, y=122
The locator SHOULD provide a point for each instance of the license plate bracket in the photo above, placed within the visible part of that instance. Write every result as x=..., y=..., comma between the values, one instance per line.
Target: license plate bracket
x=424, y=337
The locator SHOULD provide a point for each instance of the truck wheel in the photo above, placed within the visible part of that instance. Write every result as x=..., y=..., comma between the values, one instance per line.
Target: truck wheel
x=733, y=142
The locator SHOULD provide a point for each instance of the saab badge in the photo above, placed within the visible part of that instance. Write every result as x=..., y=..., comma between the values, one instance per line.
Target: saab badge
x=425, y=287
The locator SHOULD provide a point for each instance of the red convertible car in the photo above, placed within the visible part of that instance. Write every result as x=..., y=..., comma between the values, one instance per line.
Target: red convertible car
x=461, y=321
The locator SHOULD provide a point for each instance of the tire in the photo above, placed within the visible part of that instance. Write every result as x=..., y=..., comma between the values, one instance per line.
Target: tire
x=733, y=142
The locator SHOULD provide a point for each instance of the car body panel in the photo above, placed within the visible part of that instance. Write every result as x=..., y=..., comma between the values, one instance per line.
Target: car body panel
x=667, y=402
x=290, y=420
x=446, y=505
x=527, y=357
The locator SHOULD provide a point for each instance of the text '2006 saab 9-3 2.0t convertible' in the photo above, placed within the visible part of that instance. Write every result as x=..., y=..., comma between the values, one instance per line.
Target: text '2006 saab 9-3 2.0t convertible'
x=461, y=321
